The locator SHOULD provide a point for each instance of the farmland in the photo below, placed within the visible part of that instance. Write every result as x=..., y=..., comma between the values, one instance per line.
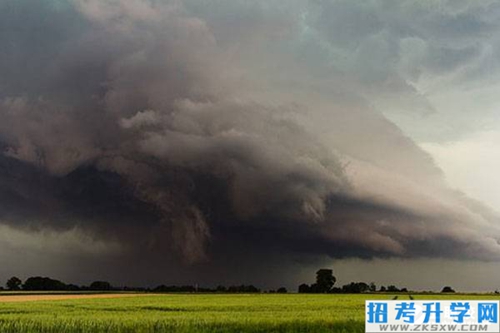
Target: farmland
x=191, y=313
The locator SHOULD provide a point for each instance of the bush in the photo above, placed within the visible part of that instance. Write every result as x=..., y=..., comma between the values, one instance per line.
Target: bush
x=447, y=289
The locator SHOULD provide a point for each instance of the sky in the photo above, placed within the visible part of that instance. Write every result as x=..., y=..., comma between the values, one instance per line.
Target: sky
x=227, y=141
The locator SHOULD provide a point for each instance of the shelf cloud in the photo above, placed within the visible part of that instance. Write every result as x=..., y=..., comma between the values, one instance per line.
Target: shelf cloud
x=198, y=138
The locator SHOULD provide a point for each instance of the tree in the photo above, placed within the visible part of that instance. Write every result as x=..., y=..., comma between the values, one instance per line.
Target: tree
x=100, y=286
x=447, y=289
x=243, y=289
x=324, y=280
x=393, y=289
x=282, y=290
x=72, y=287
x=304, y=288
x=221, y=289
x=314, y=288
x=373, y=287
x=383, y=289
x=14, y=283
x=336, y=290
x=43, y=283
x=355, y=288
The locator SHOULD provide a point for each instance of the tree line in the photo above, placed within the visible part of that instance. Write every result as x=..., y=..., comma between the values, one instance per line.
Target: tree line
x=325, y=283
x=39, y=283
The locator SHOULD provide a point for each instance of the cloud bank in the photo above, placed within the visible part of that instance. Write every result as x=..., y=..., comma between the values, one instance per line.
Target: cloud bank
x=251, y=135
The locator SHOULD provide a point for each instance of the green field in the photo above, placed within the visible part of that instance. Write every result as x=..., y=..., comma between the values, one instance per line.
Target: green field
x=197, y=313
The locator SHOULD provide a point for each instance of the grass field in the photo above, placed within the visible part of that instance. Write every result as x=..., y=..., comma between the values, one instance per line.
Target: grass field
x=196, y=313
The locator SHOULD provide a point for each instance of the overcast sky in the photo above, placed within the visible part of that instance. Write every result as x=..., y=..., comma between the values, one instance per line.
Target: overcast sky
x=149, y=142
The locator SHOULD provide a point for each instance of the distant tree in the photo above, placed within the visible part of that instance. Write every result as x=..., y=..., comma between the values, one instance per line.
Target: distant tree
x=383, y=289
x=373, y=287
x=160, y=289
x=363, y=287
x=447, y=289
x=100, y=286
x=304, y=288
x=14, y=283
x=186, y=289
x=243, y=289
x=393, y=289
x=174, y=289
x=221, y=289
x=325, y=280
x=404, y=290
x=234, y=289
x=72, y=287
x=355, y=288
x=314, y=288
x=282, y=290
x=251, y=289
x=43, y=283
x=336, y=290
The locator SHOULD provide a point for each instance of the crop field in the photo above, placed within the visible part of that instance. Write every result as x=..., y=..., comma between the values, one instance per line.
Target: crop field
x=191, y=312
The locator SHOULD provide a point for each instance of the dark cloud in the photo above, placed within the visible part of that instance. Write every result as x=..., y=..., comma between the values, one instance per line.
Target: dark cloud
x=133, y=123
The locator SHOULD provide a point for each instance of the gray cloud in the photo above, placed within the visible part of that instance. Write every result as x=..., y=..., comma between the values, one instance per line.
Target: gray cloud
x=196, y=138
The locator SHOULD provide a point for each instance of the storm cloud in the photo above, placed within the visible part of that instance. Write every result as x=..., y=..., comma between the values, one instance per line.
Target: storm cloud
x=197, y=138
